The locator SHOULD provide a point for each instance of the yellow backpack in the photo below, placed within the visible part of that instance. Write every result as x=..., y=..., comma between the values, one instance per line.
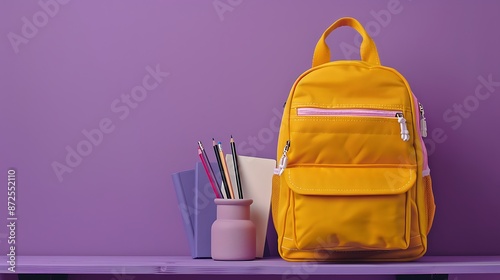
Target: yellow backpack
x=353, y=182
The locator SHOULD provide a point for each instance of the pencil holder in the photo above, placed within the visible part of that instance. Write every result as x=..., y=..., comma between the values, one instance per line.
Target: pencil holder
x=233, y=233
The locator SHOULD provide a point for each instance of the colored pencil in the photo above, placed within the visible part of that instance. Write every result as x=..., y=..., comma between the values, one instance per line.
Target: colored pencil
x=236, y=168
x=205, y=166
x=226, y=171
x=223, y=176
x=210, y=166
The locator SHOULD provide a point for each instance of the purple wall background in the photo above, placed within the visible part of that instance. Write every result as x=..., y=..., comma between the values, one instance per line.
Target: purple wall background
x=65, y=77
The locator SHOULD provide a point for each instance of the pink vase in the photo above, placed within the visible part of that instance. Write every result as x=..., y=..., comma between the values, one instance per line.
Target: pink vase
x=233, y=233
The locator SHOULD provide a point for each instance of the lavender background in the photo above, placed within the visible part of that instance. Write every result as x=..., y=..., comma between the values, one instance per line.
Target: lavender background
x=229, y=73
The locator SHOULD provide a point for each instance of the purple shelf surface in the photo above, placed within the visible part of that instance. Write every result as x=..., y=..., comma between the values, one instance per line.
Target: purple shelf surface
x=187, y=265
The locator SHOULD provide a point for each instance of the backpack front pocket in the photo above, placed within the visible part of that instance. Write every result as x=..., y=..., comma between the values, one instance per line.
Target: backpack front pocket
x=350, y=209
x=333, y=136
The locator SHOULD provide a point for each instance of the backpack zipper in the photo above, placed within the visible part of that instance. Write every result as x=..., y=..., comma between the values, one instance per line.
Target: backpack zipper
x=405, y=134
x=283, y=159
x=423, y=122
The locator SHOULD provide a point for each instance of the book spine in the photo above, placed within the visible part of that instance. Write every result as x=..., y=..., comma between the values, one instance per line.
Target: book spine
x=184, y=208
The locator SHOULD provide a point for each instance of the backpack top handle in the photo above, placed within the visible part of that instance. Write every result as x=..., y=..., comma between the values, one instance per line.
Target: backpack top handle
x=368, y=49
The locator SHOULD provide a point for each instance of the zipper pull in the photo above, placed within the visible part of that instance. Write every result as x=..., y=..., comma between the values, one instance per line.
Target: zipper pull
x=405, y=134
x=423, y=122
x=284, y=159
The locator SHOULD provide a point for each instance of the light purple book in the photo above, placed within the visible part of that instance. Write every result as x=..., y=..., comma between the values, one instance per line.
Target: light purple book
x=184, y=185
x=205, y=211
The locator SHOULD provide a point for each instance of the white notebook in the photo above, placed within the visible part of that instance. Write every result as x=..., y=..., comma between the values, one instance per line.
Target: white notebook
x=256, y=176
